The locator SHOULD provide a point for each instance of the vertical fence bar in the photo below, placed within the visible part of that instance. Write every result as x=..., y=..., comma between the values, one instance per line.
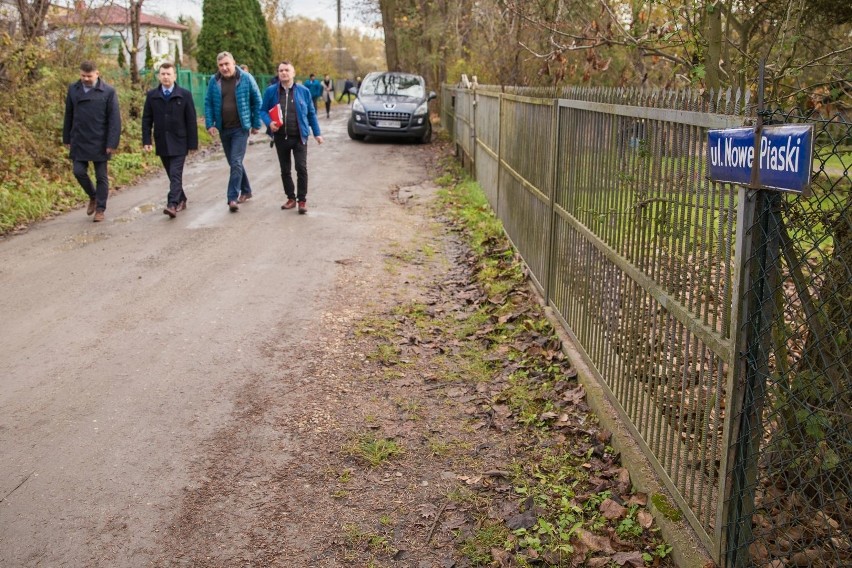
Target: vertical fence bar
x=554, y=153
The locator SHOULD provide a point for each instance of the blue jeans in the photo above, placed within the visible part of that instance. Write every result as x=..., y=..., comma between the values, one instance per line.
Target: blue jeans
x=234, y=142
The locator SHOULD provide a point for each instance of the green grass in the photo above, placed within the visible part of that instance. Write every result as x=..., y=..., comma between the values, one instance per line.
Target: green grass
x=375, y=451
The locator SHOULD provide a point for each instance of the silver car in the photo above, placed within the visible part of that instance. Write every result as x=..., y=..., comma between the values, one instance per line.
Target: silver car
x=392, y=105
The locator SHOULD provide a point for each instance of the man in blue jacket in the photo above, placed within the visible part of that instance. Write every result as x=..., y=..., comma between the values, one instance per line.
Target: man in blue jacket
x=170, y=111
x=232, y=110
x=91, y=132
x=296, y=116
x=315, y=87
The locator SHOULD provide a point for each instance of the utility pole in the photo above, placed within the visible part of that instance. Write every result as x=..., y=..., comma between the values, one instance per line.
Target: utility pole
x=339, y=41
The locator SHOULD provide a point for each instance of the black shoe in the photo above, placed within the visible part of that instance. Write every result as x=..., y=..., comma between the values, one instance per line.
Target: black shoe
x=233, y=206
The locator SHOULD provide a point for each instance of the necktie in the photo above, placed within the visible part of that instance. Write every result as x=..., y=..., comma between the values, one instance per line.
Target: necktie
x=167, y=92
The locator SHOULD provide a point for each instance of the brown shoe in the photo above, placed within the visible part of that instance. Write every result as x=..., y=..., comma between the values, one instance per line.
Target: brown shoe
x=99, y=216
x=303, y=208
x=181, y=206
x=92, y=205
x=289, y=205
x=170, y=211
x=243, y=197
x=233, y=206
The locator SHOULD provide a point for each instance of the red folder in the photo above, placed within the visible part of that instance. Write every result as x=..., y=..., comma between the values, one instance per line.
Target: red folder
x=277, y=115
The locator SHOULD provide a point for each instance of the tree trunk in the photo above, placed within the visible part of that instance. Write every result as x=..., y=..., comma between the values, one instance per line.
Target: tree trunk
x=388, y=8
x=135, y=11
x=32, y=17
x=713, y=13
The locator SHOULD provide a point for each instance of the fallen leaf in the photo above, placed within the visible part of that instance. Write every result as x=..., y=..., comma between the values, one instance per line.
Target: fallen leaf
x=593, y=542
x=629, y=559
x=612, y=510
x=575, y=395
x=640, y=499
x=645, y=519
x=523, y=520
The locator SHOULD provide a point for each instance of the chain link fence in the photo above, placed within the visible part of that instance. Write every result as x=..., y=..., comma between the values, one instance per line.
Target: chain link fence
x=792, y=474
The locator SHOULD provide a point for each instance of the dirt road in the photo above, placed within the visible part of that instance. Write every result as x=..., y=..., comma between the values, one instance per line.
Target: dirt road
x=127, y=346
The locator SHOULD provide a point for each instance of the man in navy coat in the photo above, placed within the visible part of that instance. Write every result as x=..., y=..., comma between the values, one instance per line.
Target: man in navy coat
x=169, y=109
x=91, y=131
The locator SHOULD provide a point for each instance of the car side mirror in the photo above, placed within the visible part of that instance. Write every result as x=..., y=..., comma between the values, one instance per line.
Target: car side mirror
x=432, y=95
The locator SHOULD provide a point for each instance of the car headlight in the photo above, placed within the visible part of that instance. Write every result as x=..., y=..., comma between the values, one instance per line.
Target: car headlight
x=422, y=109
x=357, y=106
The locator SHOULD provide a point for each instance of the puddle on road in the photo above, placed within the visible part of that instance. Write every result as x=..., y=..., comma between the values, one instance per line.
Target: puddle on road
x=136, y=212
x=146, y=208
x=72, y=242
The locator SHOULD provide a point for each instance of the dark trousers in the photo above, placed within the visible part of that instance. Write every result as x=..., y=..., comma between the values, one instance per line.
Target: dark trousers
x=174, y=169
x=286, y=146
x=346, y=94
x=99, y=191
x=328, y=106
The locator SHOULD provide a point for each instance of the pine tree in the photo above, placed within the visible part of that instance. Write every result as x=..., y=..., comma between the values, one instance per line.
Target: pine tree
x=236, y=26
x=149, y=57
x=122, y=59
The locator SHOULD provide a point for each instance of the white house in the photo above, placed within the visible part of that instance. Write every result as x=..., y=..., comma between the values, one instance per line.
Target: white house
x=112, y=25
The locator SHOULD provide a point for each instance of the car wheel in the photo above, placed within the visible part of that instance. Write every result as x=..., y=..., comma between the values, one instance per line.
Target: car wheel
x=427, y=136
x=351, y=131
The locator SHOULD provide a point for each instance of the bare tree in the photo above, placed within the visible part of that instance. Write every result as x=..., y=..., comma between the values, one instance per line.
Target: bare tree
x=32, y=17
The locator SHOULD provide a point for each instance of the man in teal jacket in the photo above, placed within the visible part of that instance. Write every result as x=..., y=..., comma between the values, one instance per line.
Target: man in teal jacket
x=315, y=87
x=232, y=109
x=293, y=118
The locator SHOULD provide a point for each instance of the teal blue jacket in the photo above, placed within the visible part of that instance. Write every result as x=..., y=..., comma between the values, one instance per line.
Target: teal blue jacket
x=248, y=101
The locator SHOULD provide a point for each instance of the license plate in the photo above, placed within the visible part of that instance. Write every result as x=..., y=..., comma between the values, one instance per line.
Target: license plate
x=388, y=123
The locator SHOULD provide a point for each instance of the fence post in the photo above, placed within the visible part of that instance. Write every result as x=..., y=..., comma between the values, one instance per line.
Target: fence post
x=499, y=153
x=760, y=278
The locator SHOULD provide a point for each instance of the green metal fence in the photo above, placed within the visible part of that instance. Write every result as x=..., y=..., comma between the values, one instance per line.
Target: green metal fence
x=197, y=83
x=604, y=194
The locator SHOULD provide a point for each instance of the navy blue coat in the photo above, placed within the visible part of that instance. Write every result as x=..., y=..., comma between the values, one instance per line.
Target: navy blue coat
x=92, y=122
x=174, y=122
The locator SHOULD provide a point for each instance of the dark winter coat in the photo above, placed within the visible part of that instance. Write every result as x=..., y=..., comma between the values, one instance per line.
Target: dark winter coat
x=92, y=122
x=174, y=122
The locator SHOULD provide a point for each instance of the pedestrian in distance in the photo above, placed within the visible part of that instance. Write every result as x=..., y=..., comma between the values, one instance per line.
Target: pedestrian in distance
x=327, y=94
x=315, y=87
x=292, y=120
x=170, y=112
x=347, y=90
x=232, y=110
x=91, y=131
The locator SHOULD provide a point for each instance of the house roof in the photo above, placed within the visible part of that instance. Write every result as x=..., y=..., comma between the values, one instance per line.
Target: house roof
x=115, y=16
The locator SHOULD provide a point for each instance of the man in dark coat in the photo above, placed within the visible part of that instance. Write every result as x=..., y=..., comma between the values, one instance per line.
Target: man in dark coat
x=91, y=132
x=169, y=109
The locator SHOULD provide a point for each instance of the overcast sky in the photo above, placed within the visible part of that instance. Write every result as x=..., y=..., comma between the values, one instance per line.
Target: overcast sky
x=323, y=9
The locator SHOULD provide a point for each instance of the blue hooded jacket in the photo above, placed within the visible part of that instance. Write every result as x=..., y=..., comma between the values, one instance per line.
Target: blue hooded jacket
x=305, y=111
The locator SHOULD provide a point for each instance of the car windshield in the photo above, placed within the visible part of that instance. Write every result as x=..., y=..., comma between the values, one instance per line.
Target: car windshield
x=391, y=84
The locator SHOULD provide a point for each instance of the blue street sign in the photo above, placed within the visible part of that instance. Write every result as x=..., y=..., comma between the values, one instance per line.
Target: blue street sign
x=786, y=156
